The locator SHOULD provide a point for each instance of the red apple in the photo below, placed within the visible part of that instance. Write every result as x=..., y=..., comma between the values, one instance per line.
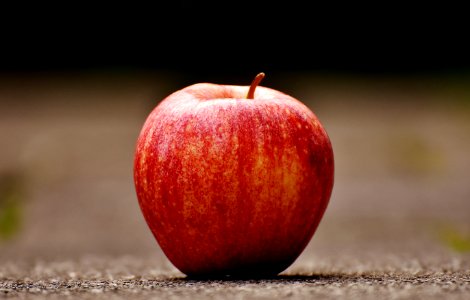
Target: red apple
x=233, y=180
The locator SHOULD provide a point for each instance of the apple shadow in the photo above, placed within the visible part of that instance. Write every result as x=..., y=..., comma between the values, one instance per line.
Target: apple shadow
x=282, y=278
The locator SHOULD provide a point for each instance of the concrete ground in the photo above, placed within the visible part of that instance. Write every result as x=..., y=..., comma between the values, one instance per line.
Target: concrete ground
x=398, y=224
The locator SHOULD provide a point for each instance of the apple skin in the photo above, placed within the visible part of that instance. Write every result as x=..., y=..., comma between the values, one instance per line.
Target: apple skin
x=230, y=185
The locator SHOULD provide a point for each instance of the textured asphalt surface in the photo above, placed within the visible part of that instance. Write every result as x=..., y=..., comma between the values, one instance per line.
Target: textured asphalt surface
x=397, y=227
x=129, y=277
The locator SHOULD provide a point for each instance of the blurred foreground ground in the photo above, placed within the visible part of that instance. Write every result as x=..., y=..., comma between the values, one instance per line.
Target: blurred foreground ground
x=398, y=224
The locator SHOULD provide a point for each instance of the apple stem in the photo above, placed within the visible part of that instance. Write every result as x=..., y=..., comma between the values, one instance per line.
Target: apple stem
x=254, y=84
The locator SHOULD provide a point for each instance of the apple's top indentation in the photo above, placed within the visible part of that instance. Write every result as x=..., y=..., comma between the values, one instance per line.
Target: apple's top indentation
x=211, y=91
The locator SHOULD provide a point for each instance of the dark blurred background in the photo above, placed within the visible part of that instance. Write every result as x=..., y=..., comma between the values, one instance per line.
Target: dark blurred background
x=390, y=83
x=236, y=37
